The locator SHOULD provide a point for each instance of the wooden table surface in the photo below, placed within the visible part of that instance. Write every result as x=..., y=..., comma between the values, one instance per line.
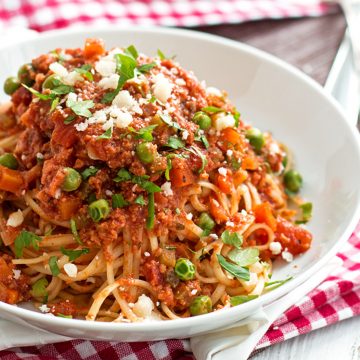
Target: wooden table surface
x=309, y=44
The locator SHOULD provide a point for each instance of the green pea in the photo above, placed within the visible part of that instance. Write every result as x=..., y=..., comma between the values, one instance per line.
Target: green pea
x=9, y=160
x=51, y=82
x=203, y=120
x=72, y=180
x=145, y=152
x=11, y=84
x=201, y=305
x=184, y=269
x=256, y=138
x=206, y=222
x=24, y=74
x=292, y=181
x=99, y=209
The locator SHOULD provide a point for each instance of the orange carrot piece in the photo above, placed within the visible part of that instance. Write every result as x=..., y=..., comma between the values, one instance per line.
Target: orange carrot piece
x=181, y=176
x=231, y=136
x=263, y=214
x=225, y=183
x=10, y=180
x=93, y=48
x=217, y=212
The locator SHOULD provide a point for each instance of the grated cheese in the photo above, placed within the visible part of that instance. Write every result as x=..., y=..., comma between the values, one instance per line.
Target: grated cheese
x=106, y=66
x=144, y=306
x=287, y=256
x=189, y=216
x=185, y=135
x=109, y=82
x=166, y=188
x=222, y=171
x=15, y=219
x=214, y=91
x=162, y=88
x=16, y=274
x=44, y=308
x=229, y=152
x=71, y=269
x=224, y=121
x=275, y=248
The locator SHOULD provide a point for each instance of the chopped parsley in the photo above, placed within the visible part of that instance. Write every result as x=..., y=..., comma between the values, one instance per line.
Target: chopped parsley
x=85, y=71
x=118, y=201
x=39, y=288
x=26, y=239
x=240, y=299
x=144, y=133
x=54, y=268
x=106, y=135
x=151, y=212
x=64, y=316
x=38, y=94
x=69, y=119
x=90, y=171
x=147, y=185
x=277, y=283
x=197, y=152
x=168, y=167
x=122, y=175
x=140, y=200
x=306, y=213
x=74, y=254
x=244, y=257
x=236, y=117
x=232, y=238
x=212, y=109
x=175, y=143
x=146, y=67
x=131, y=51
x=75, y=232
x=161, y=55
x=235, y=270
x=168, y=121
x=80, y=108
x=54, y=104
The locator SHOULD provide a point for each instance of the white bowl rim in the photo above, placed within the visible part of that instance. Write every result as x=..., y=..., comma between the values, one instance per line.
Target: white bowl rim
x=165, y=326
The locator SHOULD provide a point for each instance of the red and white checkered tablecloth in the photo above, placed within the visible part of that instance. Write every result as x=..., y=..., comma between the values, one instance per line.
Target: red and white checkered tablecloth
x=335, y=299
x=44, y=15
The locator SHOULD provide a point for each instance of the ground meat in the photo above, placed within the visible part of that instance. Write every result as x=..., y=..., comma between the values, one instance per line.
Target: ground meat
x=64, y=307
x=185, y=293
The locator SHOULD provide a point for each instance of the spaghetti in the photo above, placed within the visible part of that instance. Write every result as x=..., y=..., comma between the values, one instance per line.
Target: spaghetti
x=130, y=191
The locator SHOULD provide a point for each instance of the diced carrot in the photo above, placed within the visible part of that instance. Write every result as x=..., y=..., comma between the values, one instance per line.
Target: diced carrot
x=217, y=212
x=10, y=180
x=5, y=270
x=239, y=177
x=93, y=48
x=181, y=176
x=225, y=183
x=68, y=207
x=12, y=296
x=249, y=163
x=230, y=135
x=263, y=214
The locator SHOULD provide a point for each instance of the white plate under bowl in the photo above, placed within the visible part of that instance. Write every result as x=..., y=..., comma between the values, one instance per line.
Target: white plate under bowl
x=271, y=95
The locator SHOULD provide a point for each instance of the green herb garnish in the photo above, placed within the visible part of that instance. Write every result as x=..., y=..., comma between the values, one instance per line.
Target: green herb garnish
x=140, y=200
x=74, y=254
x=75, y=232
x=118, y=201
x=240, y=299
x=26, y=239
x=244, y=257
x=235, y=270
x=232, y=238
x=54, y=266
x=90, y=171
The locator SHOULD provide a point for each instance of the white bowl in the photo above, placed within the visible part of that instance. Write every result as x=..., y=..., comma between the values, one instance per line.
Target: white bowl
x=271, y=95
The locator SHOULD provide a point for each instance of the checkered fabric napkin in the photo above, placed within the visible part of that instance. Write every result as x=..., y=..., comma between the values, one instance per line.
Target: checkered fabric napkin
x=44, y=15
x=335, y=299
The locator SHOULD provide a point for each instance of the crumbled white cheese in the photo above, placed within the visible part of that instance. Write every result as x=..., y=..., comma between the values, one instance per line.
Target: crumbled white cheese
x=123, y=120
x=275, y=248
x=224, y=121
x=162, y=88
x=58, y=69
x=243, y=212
x=214, y=91
x=72, y=78
x=222, y=171
x=274, y=148
x=287, y=256
x=230, y=224
x=214, y=236
x=166, y=188
x=229, y=152
x=71, y=269
x=15, y=219
x=108, y=192
x=72, y=97
x=44, y=308
x=143, y=307
x=124, y=100
x=193, y=292
x=110, y=82
x=146, y=254
x=16, y=274
x=57, y=194
x=189, y=216
x=81, y=126
x=185, y=134
x=39, y=156
x=106, y=66
x=180, y=82
x=108, y=124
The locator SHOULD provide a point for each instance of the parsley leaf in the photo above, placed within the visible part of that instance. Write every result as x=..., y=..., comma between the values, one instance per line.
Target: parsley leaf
x=64, y=316
x=168, y=167
x=168, y=121
x=26, y=239
x=122, y=175
x=277, y=283
x=38, y=94
x=204, y=141
x=69, y=119
x=85, y=70
x=236, y=117
x=62, y=89
x=90, y=171
x=131, y=51
x=232, y=238
x=54, y=266
x=106, y=135
x=147, y=185
x=306, y=213
x=175, y=143
x=212, y=109
x=151, y=212
x=144, y=133
x=235, y=270
x=80, y=108
x=140, y=200
x=39, y=287
x=240, y=299
x=54, y=104
x=118, y=201
x=146, y=67
x=74, y=254
x=75, y=232
x=244, y=257
x=161, y=55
